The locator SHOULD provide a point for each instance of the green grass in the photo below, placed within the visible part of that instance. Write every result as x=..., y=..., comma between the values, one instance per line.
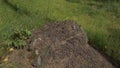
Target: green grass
x=101, y=20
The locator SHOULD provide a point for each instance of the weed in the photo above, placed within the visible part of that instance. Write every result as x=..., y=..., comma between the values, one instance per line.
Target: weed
x=18, y=38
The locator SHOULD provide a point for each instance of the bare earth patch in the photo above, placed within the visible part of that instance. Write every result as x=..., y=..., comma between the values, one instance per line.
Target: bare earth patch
x=57, y=45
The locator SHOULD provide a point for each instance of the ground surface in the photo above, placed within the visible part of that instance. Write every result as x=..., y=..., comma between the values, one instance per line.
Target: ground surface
x=99, y=18
x=57, y=45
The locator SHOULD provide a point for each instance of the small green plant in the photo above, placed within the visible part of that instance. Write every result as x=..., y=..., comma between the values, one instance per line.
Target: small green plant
x=18, y=38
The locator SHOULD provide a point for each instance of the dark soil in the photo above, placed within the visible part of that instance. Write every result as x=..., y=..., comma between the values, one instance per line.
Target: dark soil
x=58, y=45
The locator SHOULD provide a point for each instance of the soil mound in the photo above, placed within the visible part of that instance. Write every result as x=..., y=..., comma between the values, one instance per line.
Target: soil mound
x=59, y=45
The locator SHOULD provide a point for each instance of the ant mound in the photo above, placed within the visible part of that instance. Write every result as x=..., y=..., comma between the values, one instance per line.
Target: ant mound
x=59, y=45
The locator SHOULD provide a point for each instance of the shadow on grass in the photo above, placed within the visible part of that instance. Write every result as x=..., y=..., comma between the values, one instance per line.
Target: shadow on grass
x=16, y=9
x=74, y=1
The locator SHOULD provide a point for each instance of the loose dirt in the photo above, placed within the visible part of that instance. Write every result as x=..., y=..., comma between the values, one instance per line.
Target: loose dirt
x=57, y=45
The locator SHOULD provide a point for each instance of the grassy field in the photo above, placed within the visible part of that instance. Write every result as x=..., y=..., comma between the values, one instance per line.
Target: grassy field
x=99, y=18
